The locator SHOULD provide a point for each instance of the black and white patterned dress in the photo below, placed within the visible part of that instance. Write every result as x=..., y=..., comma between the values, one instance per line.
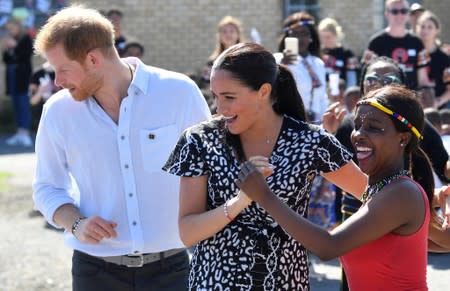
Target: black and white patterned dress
x=253, y=252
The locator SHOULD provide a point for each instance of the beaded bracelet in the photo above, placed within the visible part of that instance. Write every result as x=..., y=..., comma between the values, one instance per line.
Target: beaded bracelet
x=76, y=224
x=225, y=210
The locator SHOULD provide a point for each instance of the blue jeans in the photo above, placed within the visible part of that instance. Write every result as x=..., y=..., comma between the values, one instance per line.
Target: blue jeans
x=91, y=273
x=21, y=101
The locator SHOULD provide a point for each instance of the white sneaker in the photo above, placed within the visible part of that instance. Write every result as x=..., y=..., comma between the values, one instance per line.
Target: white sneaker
x=25, y=140
x=19, y=140
x=13, y=140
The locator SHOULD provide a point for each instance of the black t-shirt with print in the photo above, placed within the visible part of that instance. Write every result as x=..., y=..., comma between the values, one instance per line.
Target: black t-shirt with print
x=439, y=62
x=339, y=60
x=405, y=50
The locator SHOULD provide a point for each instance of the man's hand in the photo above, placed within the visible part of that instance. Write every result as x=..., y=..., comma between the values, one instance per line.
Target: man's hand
x=93, y=229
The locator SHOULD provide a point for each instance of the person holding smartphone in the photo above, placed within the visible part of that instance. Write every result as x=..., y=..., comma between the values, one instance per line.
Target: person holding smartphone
x=304, y=62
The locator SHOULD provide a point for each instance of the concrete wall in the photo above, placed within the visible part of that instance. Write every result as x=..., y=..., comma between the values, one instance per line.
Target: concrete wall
x=180, y=35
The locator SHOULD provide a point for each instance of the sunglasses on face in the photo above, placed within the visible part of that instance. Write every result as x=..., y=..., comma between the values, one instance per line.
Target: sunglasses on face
x=395, y=11
x=384, y=81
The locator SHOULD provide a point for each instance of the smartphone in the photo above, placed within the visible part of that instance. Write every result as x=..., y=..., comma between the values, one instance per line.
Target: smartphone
x=291, y=44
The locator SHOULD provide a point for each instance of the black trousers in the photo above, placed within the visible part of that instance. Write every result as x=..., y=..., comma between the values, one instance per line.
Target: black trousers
x=91, y=273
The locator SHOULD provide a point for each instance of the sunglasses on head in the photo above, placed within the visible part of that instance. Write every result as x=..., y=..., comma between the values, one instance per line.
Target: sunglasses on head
x=396, y=11
x=384, y=81
x=298, y=24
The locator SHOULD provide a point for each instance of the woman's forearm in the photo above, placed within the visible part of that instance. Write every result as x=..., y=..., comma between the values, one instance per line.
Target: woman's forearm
x=200, y=226
x=314, y=238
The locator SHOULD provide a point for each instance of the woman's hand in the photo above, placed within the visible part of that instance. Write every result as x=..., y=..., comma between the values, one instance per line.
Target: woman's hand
x=442, y=195
x=262, y=165
x=289, y=57
x=332, y=117
x=252, y=176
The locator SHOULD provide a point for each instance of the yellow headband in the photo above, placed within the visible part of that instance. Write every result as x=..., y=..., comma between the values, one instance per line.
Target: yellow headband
x=373, y=102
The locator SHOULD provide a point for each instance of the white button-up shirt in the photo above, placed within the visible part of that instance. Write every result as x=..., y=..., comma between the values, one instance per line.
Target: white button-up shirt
x=117, y=167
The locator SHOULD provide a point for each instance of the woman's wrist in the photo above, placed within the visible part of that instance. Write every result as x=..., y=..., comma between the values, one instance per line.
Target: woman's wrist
x=234, y=206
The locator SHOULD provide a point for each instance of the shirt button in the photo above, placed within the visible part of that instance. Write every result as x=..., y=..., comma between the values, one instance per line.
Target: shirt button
x=134, y=223
x=122, y=137
x=126, y=166
x=151, y=136
x=136, y=92
x=130, y=194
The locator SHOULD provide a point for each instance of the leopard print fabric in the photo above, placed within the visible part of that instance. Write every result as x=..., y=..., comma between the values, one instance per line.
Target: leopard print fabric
x=253, y=252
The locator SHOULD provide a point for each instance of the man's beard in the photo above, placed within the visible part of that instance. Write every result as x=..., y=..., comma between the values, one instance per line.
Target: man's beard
x=88, y=87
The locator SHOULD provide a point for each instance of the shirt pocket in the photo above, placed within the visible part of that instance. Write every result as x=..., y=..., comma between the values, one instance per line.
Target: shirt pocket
x=156, y=146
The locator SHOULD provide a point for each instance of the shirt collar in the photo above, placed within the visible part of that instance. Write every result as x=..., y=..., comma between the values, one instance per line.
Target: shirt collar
x=140, y=79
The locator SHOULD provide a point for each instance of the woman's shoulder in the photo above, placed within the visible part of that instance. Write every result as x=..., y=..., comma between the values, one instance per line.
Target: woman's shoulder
x=404, y=189
x=440, y=55
x=210, y=127
x=295, y=124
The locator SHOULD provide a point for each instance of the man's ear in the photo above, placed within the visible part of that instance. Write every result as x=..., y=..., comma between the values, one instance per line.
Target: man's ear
x=93, y=58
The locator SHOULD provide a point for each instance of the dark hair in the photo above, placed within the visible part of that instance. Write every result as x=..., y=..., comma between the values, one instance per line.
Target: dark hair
x=433, y=116
x=401, y=74
x=405, y=102
x=253, y=65
x=112, y=12
x=134, y=44
x=308, y=21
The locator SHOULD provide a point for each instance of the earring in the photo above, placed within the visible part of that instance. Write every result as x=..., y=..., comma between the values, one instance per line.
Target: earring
x=402, y=144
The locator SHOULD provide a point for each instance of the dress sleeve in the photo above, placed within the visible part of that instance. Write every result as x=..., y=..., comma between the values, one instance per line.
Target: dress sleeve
x=330, y=154
x=186, y=158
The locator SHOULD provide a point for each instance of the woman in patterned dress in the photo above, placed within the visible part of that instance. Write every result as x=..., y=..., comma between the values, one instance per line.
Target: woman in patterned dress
x=238, y=245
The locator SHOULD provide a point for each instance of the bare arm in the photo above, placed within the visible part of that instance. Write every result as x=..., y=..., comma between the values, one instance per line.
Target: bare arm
x=394, y=209
x=438, y=239
x=349, y=178
x=195, y=222
x=444, y=98
x=422, y=77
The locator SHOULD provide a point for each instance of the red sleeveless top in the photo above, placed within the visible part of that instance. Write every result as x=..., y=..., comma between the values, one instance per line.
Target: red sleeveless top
x=391, y=262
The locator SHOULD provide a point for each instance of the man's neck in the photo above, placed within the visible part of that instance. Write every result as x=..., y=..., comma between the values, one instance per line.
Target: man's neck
x=115, y=89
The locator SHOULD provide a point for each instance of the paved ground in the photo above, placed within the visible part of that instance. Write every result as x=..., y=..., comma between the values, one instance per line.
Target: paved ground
x=33, y=257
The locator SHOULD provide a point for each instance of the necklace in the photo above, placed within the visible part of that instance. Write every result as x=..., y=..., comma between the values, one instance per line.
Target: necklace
x=131, y=71
x=372, y=189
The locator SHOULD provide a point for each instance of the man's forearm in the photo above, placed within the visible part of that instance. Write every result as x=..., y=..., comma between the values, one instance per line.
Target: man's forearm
x=66, y=215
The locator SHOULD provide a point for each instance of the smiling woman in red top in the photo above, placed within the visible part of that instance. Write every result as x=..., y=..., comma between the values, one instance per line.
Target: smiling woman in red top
x=383, y=246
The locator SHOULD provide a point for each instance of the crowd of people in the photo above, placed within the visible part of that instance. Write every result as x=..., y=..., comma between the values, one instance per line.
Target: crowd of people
x=137, y=163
